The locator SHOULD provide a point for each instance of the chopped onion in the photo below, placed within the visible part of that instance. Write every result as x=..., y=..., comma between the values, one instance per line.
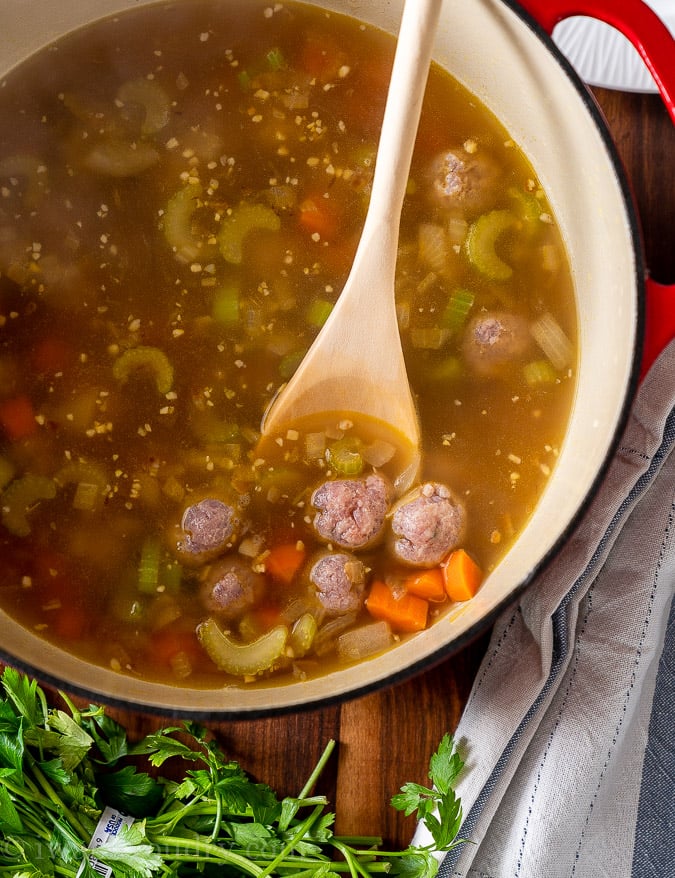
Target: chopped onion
x=364, y=641
x=550, y=337
x=378, y=452
x=457, y=227
x=406, y=478
x=315, y=446
x=251, y=547
x=325, y=640
x=432, y=246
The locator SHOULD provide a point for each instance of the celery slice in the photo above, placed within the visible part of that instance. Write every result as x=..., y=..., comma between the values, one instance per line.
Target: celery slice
x=225, y=307
x=318, y=312
x=6, y=472
x=449, y=369
x=344, y=456
x=145, y=359
x=539, y=372
x=20, y=497
x=148, y=566
x=290, y=363
x=302, y=635
x=275, y=59
x=481, y=240
x=118, y=158
x=527, y=206
x=31, y=169
x=90, y=480
x=150, y=95
x=457, y=310
x=177, y=222
x=243, y=220
x=429, y=338
x=242, y=659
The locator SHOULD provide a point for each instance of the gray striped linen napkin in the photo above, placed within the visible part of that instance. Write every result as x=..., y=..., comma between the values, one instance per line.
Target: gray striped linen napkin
x=569, y=732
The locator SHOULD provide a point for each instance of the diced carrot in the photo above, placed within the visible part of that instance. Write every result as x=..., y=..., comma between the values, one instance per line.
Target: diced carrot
x=462, y=576
x=70, y=623
x=17, y=417
x=321, y=55
x=169, y=642
x=52, y=355
x=50, y=566
x=267, y=616
x=427, y=584
x=406, y=612
x=318, y=216
x=284, y=560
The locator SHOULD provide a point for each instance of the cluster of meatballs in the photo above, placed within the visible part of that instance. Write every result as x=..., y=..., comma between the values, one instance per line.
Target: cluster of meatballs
x=351, y=516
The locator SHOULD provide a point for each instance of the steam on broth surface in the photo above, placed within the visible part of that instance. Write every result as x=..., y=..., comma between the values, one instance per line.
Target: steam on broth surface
x=182, y=188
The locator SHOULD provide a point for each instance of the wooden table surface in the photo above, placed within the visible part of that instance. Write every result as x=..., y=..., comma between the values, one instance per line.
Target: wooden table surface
x=385, y=739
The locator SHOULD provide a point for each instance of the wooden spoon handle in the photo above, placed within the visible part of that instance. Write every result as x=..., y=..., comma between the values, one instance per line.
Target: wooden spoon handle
x=402, y=111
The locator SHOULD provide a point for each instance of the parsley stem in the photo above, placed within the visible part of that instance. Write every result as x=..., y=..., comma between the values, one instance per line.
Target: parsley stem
x=292, y=806
x=219, y=817
x=53, y=797
x=218, y=853
x=300, y=833
x=318, y=768
x=36, y=798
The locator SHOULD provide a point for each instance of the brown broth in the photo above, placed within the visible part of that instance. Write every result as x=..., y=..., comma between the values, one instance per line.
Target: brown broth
x=127, y=150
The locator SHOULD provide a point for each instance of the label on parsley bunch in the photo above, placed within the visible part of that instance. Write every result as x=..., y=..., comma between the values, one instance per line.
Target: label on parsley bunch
x=109, y=824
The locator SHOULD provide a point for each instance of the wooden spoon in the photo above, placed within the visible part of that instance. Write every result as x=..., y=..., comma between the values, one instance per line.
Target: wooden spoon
x=356, y=364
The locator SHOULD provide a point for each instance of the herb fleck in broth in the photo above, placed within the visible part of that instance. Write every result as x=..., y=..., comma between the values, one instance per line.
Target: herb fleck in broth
x=182, y=188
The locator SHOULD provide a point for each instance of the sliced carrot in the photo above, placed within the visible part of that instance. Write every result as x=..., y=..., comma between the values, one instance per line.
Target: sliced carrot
x=17, y=417
x=284, y=560
x=318, y=217
x=427, y=584
x=462, y=576
x=406, y=612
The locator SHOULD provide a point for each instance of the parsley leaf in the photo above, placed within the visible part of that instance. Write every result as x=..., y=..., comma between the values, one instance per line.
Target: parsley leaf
x=129, y=852
x=438, y=807
x=131, y=791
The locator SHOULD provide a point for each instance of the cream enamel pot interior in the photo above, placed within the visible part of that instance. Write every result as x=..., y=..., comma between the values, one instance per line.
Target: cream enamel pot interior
x=505, y=57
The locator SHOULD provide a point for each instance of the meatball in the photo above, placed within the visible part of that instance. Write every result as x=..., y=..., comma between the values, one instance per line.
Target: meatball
x=426, y=525
x=493, y=340
x=462, y=180
x=207, y=529
x=339, y=579
x=351, y=512
x=230, y=587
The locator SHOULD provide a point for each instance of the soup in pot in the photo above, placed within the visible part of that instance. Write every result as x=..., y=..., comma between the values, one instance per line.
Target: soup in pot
x=182, y=188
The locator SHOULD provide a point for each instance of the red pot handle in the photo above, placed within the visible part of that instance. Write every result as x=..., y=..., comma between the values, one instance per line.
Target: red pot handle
x=642, y=26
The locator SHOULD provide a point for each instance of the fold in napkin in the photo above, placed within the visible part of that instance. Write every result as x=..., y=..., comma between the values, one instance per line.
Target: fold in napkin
x=569, y=732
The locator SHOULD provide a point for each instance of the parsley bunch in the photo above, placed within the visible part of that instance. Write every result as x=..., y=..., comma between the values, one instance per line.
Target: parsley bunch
x=60, y=768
